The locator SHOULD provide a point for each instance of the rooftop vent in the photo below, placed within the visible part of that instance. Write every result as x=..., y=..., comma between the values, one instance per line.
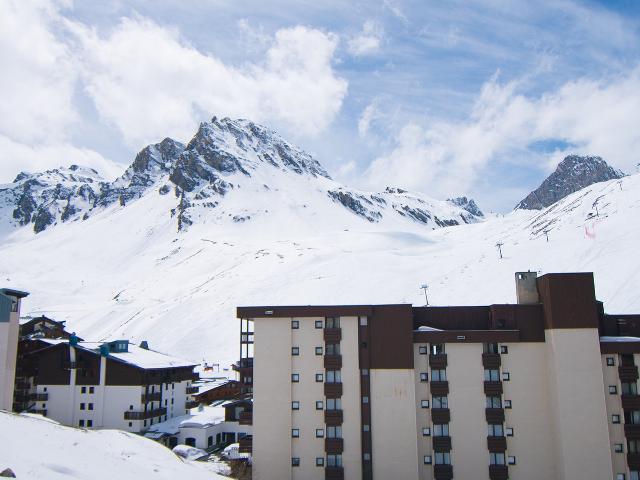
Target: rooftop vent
x=144, y=344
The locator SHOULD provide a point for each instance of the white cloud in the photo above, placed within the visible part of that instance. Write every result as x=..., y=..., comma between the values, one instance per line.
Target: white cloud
x=149, y=82
x=597, y=117
x=367, y=41
x=368, y=115
x=393, y=7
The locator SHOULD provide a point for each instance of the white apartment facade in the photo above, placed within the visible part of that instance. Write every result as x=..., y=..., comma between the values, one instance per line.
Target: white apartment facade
x=9, y=330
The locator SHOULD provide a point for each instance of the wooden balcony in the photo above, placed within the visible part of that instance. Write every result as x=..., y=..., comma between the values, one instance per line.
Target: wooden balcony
x=493, y=388
x=333, y=362
x=441, y=444
x=632, y=432
x=491, y=360
x=439, y=389
x=333, y=473
x=498, y=472
x=631, y=402
x=333, y=390
x=497, y=444
x=628, y=373
x=494, y=415
x=333, y=445
x=151, y=397
x=438, y=361
x=440, y=415
x=191, y=404
x=192, y=390
x=246, y=418
x=132, y=415
x=332, y=335
x=633, y=460
x=246, y=444
x=39, y=397
x=443, y=472
x=333, y=417
x=23, y=386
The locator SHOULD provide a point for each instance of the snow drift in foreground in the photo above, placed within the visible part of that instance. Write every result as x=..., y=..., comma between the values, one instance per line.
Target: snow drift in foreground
x=35, y=448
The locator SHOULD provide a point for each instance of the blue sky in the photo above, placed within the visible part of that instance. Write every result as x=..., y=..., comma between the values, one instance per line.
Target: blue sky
x=444, y=98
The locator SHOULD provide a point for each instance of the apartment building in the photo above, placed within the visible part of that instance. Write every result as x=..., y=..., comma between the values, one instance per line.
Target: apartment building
x=542, y=389
x=9, y=328
x=104, y=385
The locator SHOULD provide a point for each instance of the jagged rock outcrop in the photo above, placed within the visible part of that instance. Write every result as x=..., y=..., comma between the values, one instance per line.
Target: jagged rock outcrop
x=467, y=204
x=572, y=174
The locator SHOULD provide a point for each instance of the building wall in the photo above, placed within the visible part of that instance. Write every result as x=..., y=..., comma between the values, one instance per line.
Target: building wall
x=202, y=434
x=8, y=354
x=351, y=398
x=614, y=407
x=423, y=415
x=393, y=424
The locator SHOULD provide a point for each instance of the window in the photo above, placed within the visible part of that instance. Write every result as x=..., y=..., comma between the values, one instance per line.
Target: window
x=494, y=402
x=131, y=424
x=45, y=389
x=91, y=390
x=365, y=399
x=443, y=458
x=440, y=402
x=319, y=405
x=295, y=324
x=626, y=359
x=629, y=388
x=334, y=432
x=424, y=377
x=438, y=375
x=504, y=349
x=318, y=323
x=632, y=417
x=495, y=430
x=81, y=423
x=334, y=376
x=83, y=390
x=295, y=432
x=509, y=431
x=365, y=372
x=507, y=404
x=319, y=377
x=426, y=432
x=363, y=344
x=491, y=375
x=334, y=460
x=82, y=406
x=319, y=432
x=166, y=386
x=618, y=448
x=318, y=350
x=424, y=403
x=366, y=457
x=319, y=461
x=295, y=351
x=506, y=376
x=633, y=446
x=295, y=461
x=496, y=458
x=611, y=362
x=441, y=430
x=363, y=321
x=422, y=350
x=295, y=377
x=613, y=389
x=332, y=322
x=333, y=349
x=89, y=423
x=427, y=460
x=615, y=418
x=365, y=428
x=334, y=404
x=620, y=476
x=437, y=348
x=511, y=461
x=490, y=348
x=295, y=405
x=90, y=406
x=634, y=475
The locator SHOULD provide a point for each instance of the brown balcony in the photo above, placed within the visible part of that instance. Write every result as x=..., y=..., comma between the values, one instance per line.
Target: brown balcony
x=246, y=418
x=632, y=432
x=498, y=472
x=151, y=397
x=443, y=472
x=438, y=361
x=246, y=444
x=39, y=397
x=439, y=389
x=628, y=373
x=333, y=362
x=333, y=445
x=441, y=444
x=332, y=335
x=631, y=402
x=191, y=390
x=333, y=417
x=333, y=473
x=633, y=460
x=333, y=390
x=440, y=415
x=493, y=388
x=491, y=360
x=131, y=415
x=497, y=444
x=494, y=415
x=191, y=404
x=244, y=364
x=23, y=386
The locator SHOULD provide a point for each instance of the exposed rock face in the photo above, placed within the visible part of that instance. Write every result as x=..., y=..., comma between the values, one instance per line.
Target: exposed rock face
x=467, y=204
x=573, y=173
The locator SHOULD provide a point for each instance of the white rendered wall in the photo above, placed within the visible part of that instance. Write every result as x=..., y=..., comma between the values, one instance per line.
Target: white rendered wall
x=8, y=352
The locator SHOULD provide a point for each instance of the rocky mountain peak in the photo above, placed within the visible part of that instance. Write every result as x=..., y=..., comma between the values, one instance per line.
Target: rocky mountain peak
x=467, y=204
x=572, y=174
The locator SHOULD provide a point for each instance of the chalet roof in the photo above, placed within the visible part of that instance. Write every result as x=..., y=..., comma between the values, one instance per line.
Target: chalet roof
x=13, y=293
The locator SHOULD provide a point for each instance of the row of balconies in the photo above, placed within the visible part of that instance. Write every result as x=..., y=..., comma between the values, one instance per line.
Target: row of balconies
x=333, y=473
x=151, y=397
x=192, y=389
x=191, y=404
x=132, y=415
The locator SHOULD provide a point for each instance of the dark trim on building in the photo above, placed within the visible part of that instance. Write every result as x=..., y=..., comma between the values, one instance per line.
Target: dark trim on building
x=291, y=311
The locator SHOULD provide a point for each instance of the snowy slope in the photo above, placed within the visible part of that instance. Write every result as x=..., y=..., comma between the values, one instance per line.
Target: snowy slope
x=42, y=449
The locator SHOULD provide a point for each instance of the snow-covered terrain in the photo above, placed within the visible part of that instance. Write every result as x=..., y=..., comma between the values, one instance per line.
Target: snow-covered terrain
x=279, y=237
x=41, y=449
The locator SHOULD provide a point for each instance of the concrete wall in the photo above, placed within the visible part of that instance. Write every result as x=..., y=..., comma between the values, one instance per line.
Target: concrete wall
x=8, y=352
x=614, y=407
x=423, y=415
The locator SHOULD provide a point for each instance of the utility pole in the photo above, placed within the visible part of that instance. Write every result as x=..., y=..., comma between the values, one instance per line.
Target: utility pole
x=499, y=245
x=620, y=184
x=546, y=234
x=424, y=287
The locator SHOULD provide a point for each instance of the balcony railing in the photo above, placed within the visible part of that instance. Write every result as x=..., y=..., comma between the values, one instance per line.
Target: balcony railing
x=438, y=360
x=23, y=386
x=332, y=335
x=632, y=432
x=631, y=402
x=246, y=418
x=497, y=444
x=628, y=373
x=191, y=404
x=333, y=362
x=494, y=415
x=443, y=472
x=440, y=415
x=441, y=444
x=191, y=390
x=491, y=360
x=498, y=472
x=333, y=445
x=333, y=473
x=439, y=389
x=333, y=417
x=246, y=444
x=493, y=388
x=333, y=390
x=39, y=397
x=132, y=415
x=151, y=397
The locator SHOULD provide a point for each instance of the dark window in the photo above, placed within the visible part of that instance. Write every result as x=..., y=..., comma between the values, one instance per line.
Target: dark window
x=334, y=376
x=441, y=430
x=82, y=406
x=618, y=448
x=89, y=423
x=319, y=432
x=332, y=322
x=318, y=323
x=440, y=402
x=437, y=348
x=83, y=390
x=626, y=360
x=295, y=377
x=295, y=432
x=319, y=405
x=319, y=462
x=90, y=406
x=438, y=375
x=91, y=390
x=422, y=350
x=443, y=458
x=364, y=345
x=632, y=417
x=633, y=446
x=190, y=441
x=319, y=377
x=613, y=389
x=610, y=361
x=131, y=424
x=629, y=388
x=318, y=350
x=496, y=458
x=332, y=349
x=295, y=324
x=295, y=405
x=334, y=432
x=81, y=423
x=295, y=462
x=494, y=402
x=295, y=350
x=495, y=430
x=424, y=377
x=491, y=375
x=504, y=349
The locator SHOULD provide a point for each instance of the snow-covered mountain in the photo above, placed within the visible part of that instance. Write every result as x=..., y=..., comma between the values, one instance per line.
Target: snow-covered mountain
x=573, y=173
x=281, y=232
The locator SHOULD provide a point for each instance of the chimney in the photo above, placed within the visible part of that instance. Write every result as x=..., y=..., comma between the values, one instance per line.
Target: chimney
x=527, y=288
x=144, y=344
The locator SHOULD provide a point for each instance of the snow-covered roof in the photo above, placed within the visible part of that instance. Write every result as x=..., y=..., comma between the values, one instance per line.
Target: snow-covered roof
x=150, y=359
x=198, y=418
x=424, y=328
x=619, y=339
x=210, y=385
